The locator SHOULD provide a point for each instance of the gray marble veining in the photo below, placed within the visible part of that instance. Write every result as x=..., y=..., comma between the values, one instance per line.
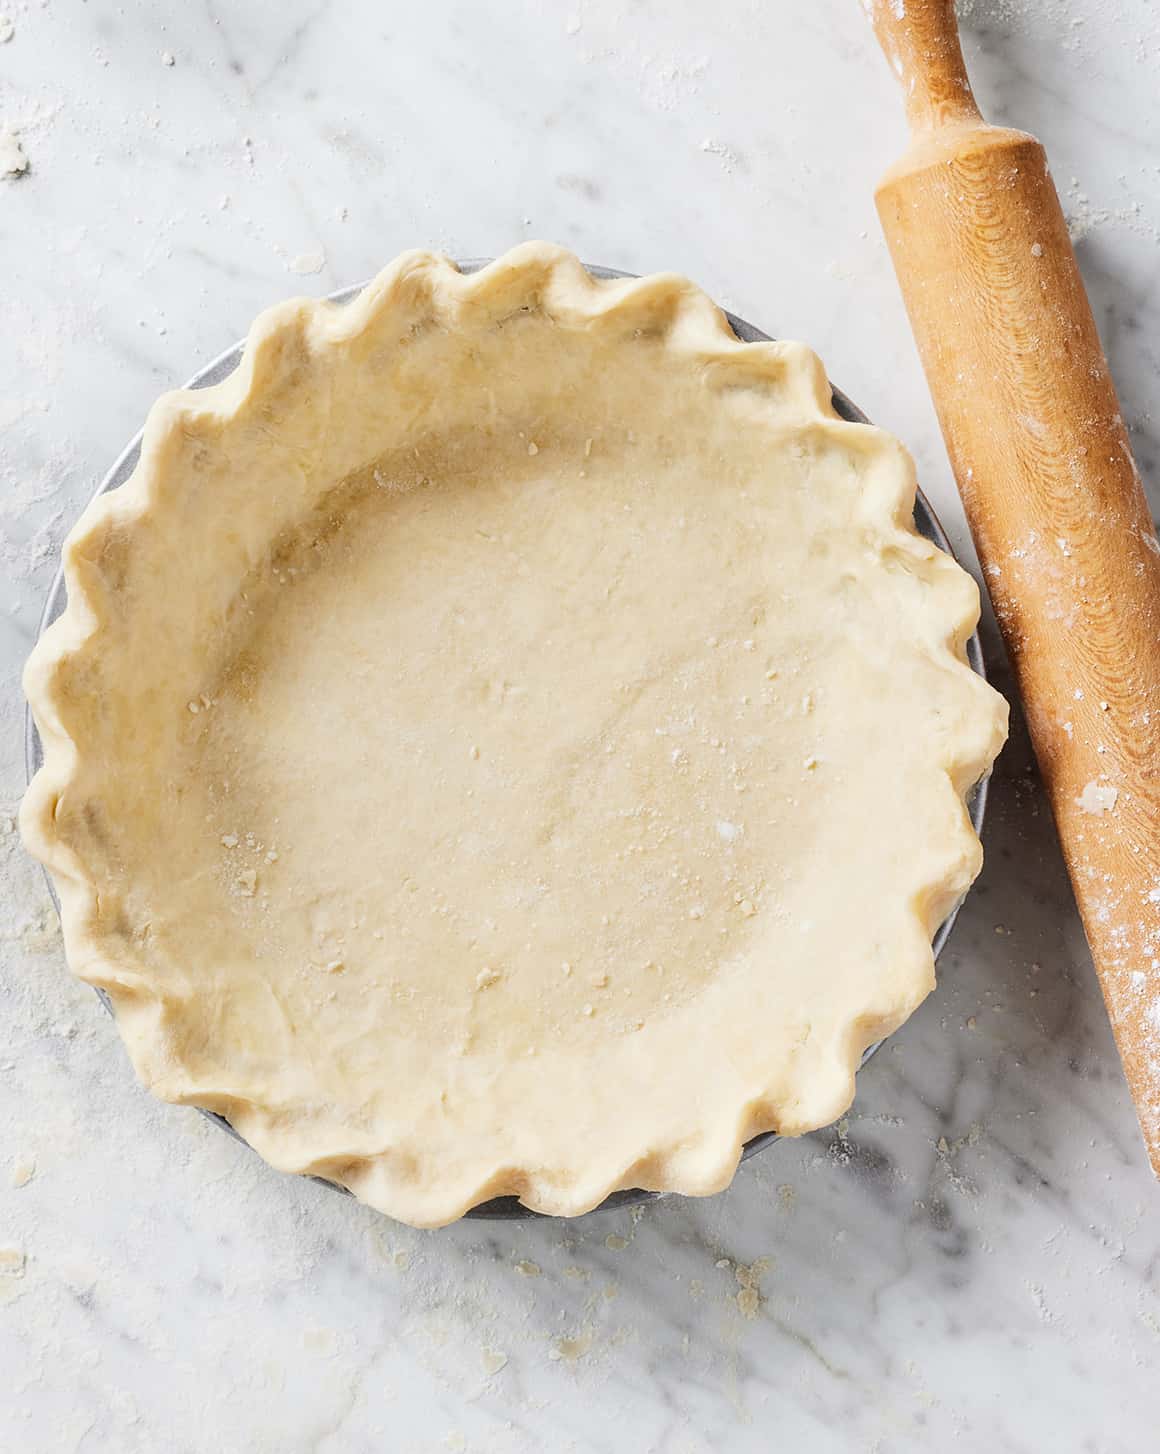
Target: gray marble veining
x=970, y=1259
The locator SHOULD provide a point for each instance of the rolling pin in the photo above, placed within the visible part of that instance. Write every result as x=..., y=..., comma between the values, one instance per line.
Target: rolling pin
x=1052, y=495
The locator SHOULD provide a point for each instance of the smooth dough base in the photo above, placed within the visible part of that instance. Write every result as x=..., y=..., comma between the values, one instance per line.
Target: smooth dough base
x=509, y=739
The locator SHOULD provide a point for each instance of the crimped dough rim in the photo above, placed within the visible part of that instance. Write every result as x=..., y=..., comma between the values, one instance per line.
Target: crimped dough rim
x=704, y=1158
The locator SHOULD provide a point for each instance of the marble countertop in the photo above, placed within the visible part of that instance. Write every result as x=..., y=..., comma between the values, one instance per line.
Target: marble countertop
x=970, y=1259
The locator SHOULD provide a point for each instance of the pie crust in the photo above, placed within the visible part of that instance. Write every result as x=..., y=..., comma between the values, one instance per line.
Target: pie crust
x=508, y=738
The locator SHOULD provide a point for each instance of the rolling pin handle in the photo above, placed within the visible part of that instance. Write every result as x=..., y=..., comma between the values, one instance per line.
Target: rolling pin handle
x=920, y=39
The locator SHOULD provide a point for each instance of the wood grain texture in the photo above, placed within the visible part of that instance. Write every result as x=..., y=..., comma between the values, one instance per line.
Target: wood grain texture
x=1054, y=500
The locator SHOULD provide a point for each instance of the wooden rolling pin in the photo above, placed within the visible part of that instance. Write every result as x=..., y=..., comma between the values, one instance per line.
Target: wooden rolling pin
x=1054, y=500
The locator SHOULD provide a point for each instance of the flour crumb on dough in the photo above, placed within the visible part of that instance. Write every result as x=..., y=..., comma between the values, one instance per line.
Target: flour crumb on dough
x=528, y=1269
x=13, y=161
x=493, y=1361
x=1098, y=798
x=168, y=58
x=7, y=29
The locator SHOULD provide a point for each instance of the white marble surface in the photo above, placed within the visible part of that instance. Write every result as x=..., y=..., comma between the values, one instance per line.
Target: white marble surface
x=971, y=1260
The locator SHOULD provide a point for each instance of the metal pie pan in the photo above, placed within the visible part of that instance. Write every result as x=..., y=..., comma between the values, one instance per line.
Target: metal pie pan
x=925, y=520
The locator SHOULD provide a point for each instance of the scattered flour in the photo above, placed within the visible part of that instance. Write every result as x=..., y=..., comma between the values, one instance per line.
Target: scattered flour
x=1083, y=218
x=749, y=1296
x=493, y=1361
x=303, y=264
x=572, y=1348
x=23, y=1170
x=13, y=161
x=724, y=153
x=12, y=1261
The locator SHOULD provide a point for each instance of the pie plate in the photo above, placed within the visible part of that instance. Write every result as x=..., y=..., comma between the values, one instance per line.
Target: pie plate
x=925, y=523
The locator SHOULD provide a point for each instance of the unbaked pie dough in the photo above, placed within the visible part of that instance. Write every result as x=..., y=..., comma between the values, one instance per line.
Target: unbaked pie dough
x=508, y=738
